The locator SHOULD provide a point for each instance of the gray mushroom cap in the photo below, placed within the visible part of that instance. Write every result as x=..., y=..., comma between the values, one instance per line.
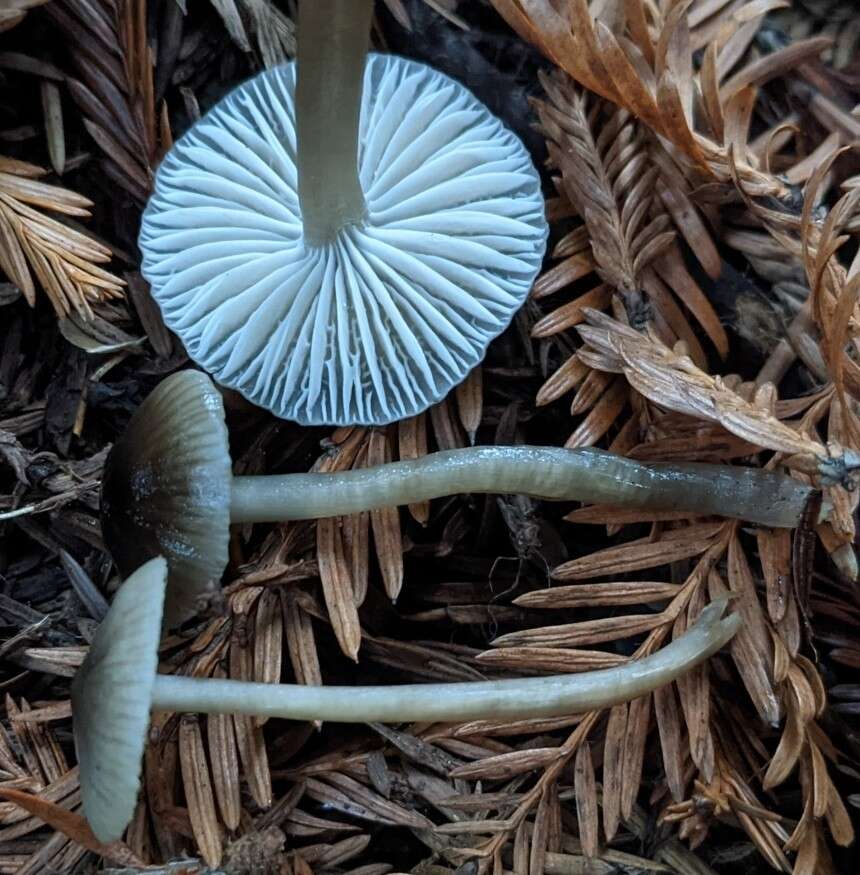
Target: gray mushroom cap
x=166, y=491
x=389, y=316
x=111, y=698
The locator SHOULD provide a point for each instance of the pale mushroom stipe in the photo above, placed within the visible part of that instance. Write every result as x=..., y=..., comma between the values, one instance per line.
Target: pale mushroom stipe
x=118, y=685
x=339, y=241
x=168, y=488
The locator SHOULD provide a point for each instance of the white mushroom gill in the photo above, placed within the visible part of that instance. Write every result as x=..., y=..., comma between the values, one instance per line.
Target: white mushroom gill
x=385, y=319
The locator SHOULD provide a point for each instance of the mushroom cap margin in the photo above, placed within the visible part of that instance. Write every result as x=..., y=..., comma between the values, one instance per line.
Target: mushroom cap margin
x=111, y=698
x=166, y=491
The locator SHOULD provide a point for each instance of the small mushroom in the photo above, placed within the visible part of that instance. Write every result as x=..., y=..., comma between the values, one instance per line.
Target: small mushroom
x=340, y=241
x=168, y=488
x=118, y=685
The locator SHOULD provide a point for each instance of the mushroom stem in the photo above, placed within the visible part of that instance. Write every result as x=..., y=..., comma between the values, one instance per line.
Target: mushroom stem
x=516, y=698
x=332, y=47
x=590, y=475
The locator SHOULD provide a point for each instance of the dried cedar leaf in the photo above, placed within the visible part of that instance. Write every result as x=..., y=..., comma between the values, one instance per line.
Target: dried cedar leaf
x=584, y=633
x=838, y=820
x=601, y=417
x=636, y=555
x=638, y=719
x=562, y=380
x=337, y=587
x=40, y=194
x=774, y=548
x=300, y=642
x=470, y=400
x=356, y=539
x=506, y=765
x=573, y=313
x=754, y=672
x=417, y=750
x=522, y=846
x=591, y=389
x=447, y=431
x=743, y=588
x=13, y=262
x=346, y=795
x=553, y=660
x=613, y=764
x=611, y=593
x=540, y=832
x=386, y=524
x=613, y=514
x=695, y=693
x=249, y=736
x=80, y=333
x=673, y=381
x=573, y=268
x=53, y=114
x=198, y=791
x=71, y=825
x=666, y=710
x=670, y=268
x=775, y=64
x=412, y=444
x=502, y=728
x=268, y=634
x=224, y=756
x=137, y=178
x=586, y=801
x=149, y=314
x=301, y=824
x=342, y=851
x=787, y=752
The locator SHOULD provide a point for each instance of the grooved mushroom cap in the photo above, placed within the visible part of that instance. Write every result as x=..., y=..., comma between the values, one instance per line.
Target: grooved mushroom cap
x=111, y=698
x=385, y=320
x=166, y=490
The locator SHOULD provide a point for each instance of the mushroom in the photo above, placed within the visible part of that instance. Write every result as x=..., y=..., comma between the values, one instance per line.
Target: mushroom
x=168, y=488
x=342, y=250
x=118, y=685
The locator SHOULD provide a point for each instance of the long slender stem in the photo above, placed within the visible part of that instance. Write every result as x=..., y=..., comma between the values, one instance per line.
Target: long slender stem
x=333, y=39
x=543, y=472
x=487, y=700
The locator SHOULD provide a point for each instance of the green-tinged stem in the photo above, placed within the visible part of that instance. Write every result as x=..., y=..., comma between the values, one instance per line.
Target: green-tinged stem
x=333, y=40
x=590, y=475
x=514, y=699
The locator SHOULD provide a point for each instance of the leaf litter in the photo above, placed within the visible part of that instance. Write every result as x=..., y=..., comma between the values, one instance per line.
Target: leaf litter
x=699, y=303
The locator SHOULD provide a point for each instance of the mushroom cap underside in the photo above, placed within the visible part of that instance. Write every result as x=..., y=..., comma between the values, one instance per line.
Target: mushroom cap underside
x=383, y=321
x=166, y=491
x=111, y=698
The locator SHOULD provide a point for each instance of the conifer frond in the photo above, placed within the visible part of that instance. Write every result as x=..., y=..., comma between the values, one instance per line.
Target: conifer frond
x=63, y=260
x=641, y=60
x=699, y=304
x=114, y=87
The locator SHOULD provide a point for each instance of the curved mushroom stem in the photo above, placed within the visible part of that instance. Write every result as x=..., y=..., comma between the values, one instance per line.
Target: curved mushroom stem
x=514, y=699
x=333, y=39
x=590, y=475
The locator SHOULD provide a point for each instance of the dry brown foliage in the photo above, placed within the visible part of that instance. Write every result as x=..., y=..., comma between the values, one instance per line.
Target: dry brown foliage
x=687, y=144
x=64, y=260
x=343, y=543
x=116, y=90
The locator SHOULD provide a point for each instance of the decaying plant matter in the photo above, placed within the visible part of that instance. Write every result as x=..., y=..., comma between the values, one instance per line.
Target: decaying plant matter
x=65, y=261
x=699, y=304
